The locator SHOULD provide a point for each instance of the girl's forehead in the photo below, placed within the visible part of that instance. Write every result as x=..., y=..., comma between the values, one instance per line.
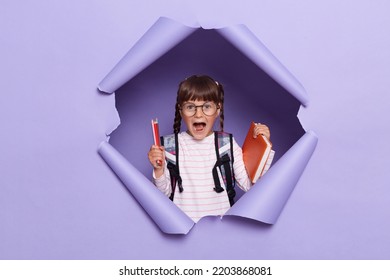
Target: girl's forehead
x=198, y=100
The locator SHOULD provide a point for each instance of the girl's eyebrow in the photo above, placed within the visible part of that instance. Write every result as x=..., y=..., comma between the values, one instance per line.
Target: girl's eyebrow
x=186, y=102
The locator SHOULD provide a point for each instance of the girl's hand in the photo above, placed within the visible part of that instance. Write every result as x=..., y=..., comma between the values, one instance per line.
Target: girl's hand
x=157, y=160
x=262, y=129
x=156, y=157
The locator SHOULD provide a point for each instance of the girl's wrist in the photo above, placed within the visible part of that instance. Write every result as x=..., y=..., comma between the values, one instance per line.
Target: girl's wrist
x=158, y=172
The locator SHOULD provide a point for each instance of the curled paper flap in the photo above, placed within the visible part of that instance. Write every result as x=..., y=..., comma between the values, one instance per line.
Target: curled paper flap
x=159, y=39
x=168, y=217
x=166, y=34
x=243, y=39
x=265, y=200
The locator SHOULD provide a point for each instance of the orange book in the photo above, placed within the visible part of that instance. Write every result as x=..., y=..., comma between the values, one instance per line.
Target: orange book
x=256, y=154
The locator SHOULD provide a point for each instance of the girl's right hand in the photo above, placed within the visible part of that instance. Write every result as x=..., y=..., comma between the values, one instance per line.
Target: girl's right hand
x=157, y=158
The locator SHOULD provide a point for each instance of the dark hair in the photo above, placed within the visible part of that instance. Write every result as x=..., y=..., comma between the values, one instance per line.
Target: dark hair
x=198, y=88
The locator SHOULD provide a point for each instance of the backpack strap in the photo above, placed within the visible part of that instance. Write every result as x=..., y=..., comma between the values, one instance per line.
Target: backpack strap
x=225, y=160
x=170, y=143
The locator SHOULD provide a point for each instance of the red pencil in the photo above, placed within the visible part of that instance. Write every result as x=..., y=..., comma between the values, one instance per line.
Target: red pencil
x=156, y=136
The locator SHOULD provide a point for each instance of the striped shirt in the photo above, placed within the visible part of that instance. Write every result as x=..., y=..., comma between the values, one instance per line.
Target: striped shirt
x=196, y=160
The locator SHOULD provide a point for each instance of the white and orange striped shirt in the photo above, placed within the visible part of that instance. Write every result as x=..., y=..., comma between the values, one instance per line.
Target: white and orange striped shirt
x=196, y=160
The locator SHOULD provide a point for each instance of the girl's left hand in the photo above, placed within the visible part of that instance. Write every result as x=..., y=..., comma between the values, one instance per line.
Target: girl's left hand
x=262, y=129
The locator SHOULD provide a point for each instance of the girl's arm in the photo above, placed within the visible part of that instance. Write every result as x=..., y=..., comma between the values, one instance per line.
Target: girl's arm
x=240, y=172
x=161, y=178
x=163, y=183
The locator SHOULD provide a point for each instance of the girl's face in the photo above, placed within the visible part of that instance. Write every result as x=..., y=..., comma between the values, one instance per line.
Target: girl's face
x=201, y=122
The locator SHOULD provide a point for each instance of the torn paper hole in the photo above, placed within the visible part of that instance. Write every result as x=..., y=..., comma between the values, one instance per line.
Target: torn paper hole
x=257, y=87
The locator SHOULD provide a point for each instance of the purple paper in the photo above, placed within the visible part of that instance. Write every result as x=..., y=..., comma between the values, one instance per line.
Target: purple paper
x=163, y=211
x=145, y=52
x=60, y=200
x=265, y=200
x=153, y=45
x=241, y=37
x=166, y=33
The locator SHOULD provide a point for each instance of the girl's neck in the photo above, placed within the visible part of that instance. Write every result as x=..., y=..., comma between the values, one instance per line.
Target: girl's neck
x=210, y=133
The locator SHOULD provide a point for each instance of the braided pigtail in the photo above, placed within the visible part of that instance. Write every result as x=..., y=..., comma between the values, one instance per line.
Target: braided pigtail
x=177, y=120
x=221, y=97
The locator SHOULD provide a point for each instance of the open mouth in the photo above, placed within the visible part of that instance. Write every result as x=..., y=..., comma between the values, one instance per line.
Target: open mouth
x=199, y=126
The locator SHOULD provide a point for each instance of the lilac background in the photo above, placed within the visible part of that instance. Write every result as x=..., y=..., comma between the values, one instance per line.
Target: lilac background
x=59, y=200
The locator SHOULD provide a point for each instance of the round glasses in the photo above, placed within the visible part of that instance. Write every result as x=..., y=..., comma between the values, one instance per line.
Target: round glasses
x=208, y=108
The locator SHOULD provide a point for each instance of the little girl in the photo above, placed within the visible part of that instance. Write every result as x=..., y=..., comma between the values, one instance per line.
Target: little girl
x=201, y=185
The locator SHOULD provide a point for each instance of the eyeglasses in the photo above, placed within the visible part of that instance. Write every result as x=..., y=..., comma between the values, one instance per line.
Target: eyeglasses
x=208, y=108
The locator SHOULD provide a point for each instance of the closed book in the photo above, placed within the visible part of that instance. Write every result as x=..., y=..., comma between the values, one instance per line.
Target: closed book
x=257, y=154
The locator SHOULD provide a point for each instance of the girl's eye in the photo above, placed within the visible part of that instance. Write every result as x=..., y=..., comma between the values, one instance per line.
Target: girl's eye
x=207, y=106
x=190, y=107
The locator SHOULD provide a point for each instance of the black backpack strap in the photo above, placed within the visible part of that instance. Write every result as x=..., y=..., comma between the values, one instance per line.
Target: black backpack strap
x=173, y=167
x=230, y=187
x=232, y=158
x=225, y=165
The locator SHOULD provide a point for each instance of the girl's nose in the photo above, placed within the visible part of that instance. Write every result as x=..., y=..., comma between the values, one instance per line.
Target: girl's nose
x=199, y=112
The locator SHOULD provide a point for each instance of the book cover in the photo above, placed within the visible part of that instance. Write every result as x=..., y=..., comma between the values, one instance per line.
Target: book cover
x=256, y=154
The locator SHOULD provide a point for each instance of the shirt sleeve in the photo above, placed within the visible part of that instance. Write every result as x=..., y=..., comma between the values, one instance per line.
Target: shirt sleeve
x=163, y=183
x=240, y=172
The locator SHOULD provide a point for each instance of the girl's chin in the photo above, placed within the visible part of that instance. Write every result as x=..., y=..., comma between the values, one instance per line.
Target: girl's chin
x=199, y=135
